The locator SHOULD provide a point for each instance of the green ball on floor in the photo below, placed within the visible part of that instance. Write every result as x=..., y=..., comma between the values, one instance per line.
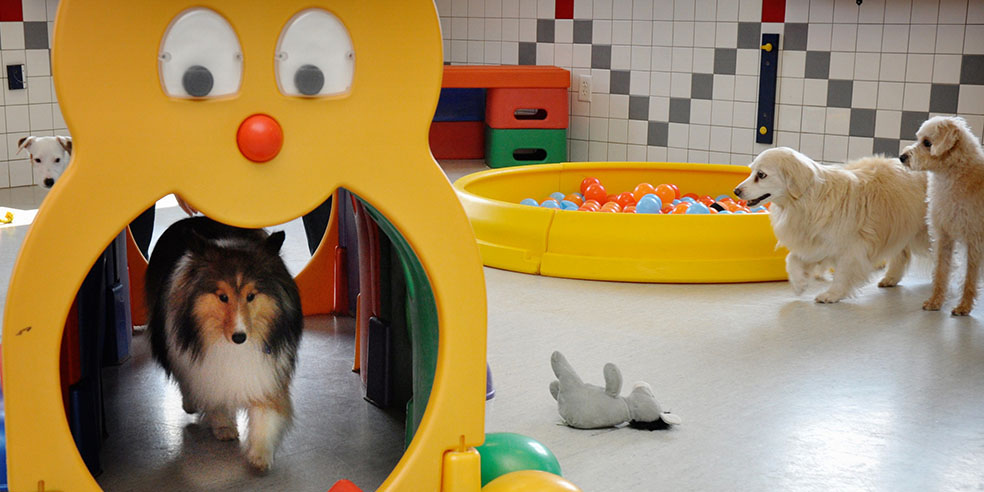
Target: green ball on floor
x=505, y=452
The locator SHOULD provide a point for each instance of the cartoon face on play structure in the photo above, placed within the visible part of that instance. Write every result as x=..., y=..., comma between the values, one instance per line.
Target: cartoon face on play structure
x=254, y=111
x=237, y=103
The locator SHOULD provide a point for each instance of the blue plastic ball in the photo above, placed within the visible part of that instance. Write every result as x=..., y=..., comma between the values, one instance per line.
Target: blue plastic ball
x=688, y=199
x=649, y=204
x=758, y=209
x=579, y=196
x=568, y=205
x=698, y=208
x=557, y=196
x=529, y=201
x=739, y=212
x=675, y=202
x=550, y=204
x=722, y=197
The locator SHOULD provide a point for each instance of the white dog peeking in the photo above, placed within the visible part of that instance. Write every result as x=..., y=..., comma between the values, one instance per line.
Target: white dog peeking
x=50, y=155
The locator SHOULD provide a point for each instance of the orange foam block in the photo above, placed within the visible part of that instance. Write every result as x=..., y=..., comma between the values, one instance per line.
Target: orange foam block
x=526, y=108
x=495, y=76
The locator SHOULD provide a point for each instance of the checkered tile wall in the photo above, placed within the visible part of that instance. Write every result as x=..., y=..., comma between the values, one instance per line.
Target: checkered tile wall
x=677, y=80
x=25, y=37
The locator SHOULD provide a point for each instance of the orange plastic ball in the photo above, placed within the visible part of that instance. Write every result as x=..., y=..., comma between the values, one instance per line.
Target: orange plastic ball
x=706, y=200
x=667, y=209
x=610, y=198
x=629, y=210
x=574, y=198
x=681, y=208
x=691, y=195
x=587, y=182
x=596, y=192
x=625, y=199
x=665, y=193
x=676, y=191
x=641, y=190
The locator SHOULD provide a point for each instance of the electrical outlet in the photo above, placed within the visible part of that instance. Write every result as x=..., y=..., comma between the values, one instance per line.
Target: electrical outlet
x=584, y=88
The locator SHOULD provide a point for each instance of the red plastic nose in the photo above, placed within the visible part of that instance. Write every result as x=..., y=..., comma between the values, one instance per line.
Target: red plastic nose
x=260, y=138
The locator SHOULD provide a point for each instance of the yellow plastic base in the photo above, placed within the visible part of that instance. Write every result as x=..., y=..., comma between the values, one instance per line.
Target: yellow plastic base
x=622, y=247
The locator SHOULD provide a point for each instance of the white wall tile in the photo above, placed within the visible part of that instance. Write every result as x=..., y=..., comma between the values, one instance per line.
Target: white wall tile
x=18, y=118
x=659, y=83
x=814, y=119
x=724, y=87
x=680, y=85
x=791, y=90
x=846, y=11
x=621, y=57
x=815, y=92
x=700, y=137
x=890, y=95
x=922, y=38
x=834, y=148
x=974, y=39
x=865, y=95
x=811, y=145
x=639, y=83
x=792, y=63
x=866, y=66
x=789, y=117
x=579, y=151
x=916, y=97
x=601, y=32
x=858, y=147
x=618, y=130
x=746, y=88
x=946, y=69
x=747, y=62
x=844, y=37
x=656, y=154
x=700, y=111
x=678, y=135
x=720, y=139
x=975, y=12
x=617, y=152
x=622, y=9
x=641, y=58
x=818, y=37
x=744, y=115
x=683, y=10
x=750, y=10
x=897, y=11
x=638, y=132
x=925, y=11
x=659, y=108
x=950, y=39
x=677, y=155
x=642, y=9
x=841, y=65
x=40, y=117
x=869, y=37
x=892, y=67
x=887, y=123
x=722, y=112
x=742, y=139
x=618, y=106
x=12, y=35
x=21, y=173
x=583, y=9
x=797, y=10
x=704, y=34
x=621, y=31
x=971, y=99
x=635, y=153
x=39, y=90
x=662, y=33
x=821, y=11
x=895, y=39
x=918, y=68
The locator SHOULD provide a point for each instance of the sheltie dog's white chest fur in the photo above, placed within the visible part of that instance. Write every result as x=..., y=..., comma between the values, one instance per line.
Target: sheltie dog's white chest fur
x=228, y=375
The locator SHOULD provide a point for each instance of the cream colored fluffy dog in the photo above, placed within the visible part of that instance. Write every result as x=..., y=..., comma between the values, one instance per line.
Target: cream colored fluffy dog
x=851, y=218
x=952, y=154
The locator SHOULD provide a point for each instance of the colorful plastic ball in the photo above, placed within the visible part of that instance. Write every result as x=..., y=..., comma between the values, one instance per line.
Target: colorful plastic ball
x=610, y=198
x=629, y=210
x=690, y=195
x=706, y=200
x=649, y=204
x=676, y=190
x=568, y=205
x=666, y=193
x=576, y=198
x=739, y=212
x=675, y=202
x=722, y=197
x=550, y=204
x=698, y=208
x=642, y=189
x=611, y=206
x=557, y=196
x=681, y=208
x=625, y=199
x=505, y=452
x=688, y=199
x=759, y=210
x=530, y=481
x=529, y=201
x=596, y=192
x=587, y=182
x=667, y=209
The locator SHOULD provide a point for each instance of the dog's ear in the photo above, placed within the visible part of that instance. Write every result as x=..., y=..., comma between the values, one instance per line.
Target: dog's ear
x=799, y=174
x=197, y=243
x=66, y=143
x=947, y=134
x=25, y=143
x=274, y=242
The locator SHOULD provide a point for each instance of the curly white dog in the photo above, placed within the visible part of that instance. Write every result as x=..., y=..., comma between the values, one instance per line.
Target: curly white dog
x=952, y=154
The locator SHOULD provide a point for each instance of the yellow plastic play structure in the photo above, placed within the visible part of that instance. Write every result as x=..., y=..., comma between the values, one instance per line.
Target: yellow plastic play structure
x=366, y=131
x=622, y=247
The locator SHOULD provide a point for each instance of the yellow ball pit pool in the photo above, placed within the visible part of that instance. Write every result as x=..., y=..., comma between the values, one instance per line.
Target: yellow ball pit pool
x=621, y=247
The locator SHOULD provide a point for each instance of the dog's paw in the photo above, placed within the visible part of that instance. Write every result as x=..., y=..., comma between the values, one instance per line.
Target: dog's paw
x=889, y=282
x=932, y=304
x=962, y=309
x=259, y=460
x=828, y=297
x=225, y=433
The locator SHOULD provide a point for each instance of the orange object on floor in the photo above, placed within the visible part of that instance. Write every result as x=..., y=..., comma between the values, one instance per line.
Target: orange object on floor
x=457, y=139
x=493, y=76
x=136, y=265
x=526, y=108
x=344, y=486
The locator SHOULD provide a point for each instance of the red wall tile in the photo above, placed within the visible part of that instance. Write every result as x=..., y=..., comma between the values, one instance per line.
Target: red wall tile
x=565, y=9
x=11, y=11
x=773, y=10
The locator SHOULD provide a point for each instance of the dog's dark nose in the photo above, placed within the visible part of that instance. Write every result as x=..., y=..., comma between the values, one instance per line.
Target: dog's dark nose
x=738, y=192
x=48, y=182
x=903, y=158
x=238, y=337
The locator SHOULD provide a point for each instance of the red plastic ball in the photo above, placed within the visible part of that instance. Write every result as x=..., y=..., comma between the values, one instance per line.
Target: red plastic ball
x=625, y=199
x=587, y=182
x=596, y=192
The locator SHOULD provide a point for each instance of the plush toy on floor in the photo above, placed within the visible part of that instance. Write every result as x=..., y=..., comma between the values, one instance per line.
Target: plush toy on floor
x=586, y=406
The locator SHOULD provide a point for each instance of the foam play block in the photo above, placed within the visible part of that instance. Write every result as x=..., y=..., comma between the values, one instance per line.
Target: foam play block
x=518, y=147
x=527, y=108
x=505, y=76
x=457, y=139
x=460, y=105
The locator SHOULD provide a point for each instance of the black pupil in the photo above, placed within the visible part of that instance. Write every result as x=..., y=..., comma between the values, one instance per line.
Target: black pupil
x=223, y=298
x=927, y=143
x=250, y=297
x=197, y=80
x=57, y=159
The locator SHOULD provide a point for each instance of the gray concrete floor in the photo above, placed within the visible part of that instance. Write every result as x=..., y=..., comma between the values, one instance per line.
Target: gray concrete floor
x=775, y=392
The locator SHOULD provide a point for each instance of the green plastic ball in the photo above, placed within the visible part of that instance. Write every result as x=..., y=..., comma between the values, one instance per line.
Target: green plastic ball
x=505, y=452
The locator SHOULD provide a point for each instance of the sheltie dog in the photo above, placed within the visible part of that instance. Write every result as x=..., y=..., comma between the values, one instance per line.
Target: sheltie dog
x=225, y=322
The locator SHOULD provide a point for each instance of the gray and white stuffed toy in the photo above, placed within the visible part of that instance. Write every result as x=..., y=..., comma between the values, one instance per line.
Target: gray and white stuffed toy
x=586, y=406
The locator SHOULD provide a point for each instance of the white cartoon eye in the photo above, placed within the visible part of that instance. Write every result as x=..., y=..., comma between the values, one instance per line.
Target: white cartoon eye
x=200, y=56
x=314, y=55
